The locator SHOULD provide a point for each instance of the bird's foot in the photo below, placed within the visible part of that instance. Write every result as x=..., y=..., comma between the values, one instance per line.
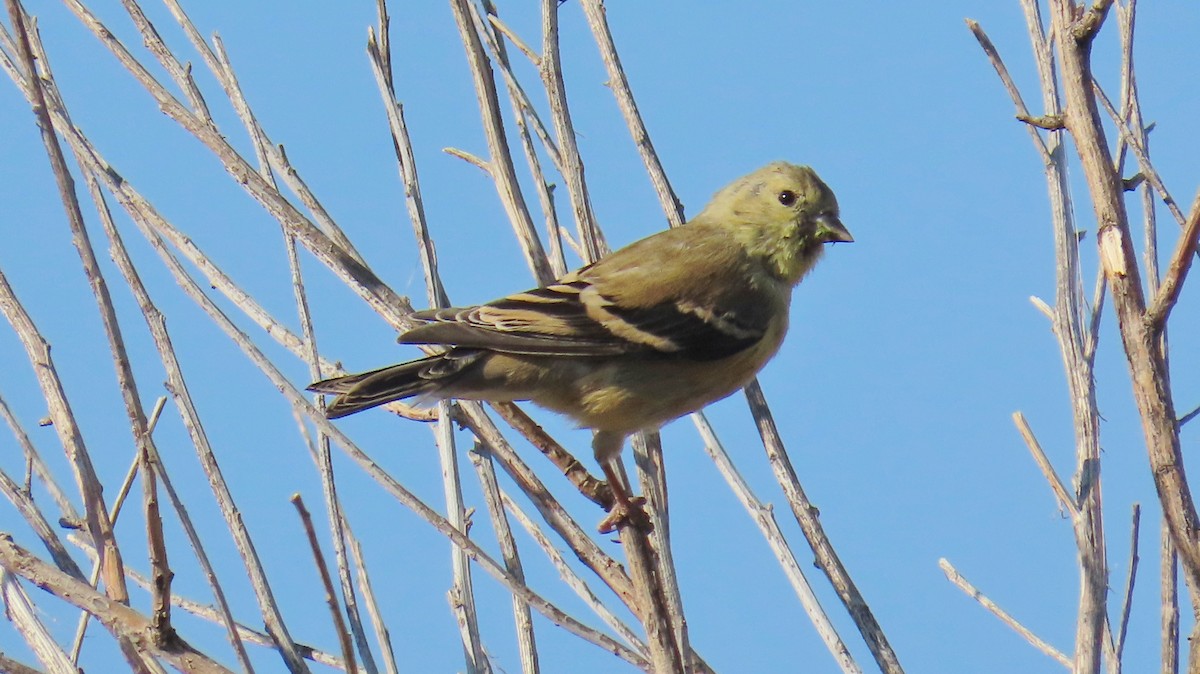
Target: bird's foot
x=630, y=511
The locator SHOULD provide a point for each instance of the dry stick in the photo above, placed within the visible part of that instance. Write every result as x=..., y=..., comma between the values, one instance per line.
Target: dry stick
x=60, y=426
x=335, y=612
x=593, y=488
x=526, y=639
x=1169, y=600
x=36, y=465
x=117, y=505
x=233, y=519
x=1147, y=368
x=594, y=10
x=385, y=41
x=604, y=566
x=1093, y=334
x=23, y=501
x=124, y=622
x=808, y=517
x=664, y=653
x=1132, y=120
x=1127, y=601
x=221, y=616
x=764, y=516
x=161, y=590
x=364, y=583
x=244, y=633
x=1177, y=271
x=500, y=158
x=38, y=350
x=1068, y=321
x=462, y=590
x=652, y=476
x=635, y=595
x=1065, y=501
x=124, y=263
x=522, y=106
x=178, y=72
x=955, y=577
x=462, y=593
x=1134, y=137
x=24, y=617
x=407, y=165
x=398, y=491
x=572, y=579
x=571, y=164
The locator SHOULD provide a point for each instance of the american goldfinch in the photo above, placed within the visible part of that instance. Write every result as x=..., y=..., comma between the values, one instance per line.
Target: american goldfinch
x=643, y=336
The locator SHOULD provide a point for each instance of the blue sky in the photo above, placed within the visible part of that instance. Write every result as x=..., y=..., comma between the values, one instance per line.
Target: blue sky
x=909, y=349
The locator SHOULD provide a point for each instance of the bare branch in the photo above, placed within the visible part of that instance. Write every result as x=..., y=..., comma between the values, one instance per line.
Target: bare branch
x=1061, y=494
x=1177, y=271
x=1127, y=601
x=955, y=577
x=331, y=601
x=806, y=515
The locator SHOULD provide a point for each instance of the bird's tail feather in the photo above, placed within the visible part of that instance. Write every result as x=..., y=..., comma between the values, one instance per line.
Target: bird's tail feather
x=358, y=392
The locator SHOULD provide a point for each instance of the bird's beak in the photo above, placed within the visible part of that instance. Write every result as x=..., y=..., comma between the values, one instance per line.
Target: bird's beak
x=831, y=230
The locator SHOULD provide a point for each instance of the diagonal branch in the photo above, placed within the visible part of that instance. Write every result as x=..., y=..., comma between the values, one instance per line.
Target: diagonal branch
x=1177, y=271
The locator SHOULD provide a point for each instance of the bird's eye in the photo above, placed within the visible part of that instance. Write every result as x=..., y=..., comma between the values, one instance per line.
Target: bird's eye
x=787, y=197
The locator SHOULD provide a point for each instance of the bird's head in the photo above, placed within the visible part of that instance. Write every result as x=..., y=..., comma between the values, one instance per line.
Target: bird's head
x=783, y=214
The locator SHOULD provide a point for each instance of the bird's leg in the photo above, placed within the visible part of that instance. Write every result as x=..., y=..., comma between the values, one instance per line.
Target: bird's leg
x=625, y=509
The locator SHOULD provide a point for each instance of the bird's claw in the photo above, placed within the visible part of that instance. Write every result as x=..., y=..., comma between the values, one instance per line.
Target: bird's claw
x=630, y=511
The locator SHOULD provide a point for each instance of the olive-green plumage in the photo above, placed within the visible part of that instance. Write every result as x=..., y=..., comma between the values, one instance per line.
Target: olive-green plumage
x=645, y=335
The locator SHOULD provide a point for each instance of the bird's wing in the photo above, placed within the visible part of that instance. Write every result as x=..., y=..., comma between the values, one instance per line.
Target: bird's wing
x=587, y=314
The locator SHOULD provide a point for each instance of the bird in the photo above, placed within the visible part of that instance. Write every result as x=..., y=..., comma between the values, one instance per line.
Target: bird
x=644, y=335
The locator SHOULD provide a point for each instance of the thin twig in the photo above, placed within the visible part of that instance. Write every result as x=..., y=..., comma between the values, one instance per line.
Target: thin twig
x=764, y=517
x=331, y=601
x=526, y=639
x=807, y=517
x=955, y=577
x=1061, y=494
x=1127, y=601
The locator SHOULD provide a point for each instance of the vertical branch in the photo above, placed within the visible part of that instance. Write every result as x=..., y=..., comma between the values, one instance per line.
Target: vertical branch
x=331, y=601
x=462, y=593
x=526, y=639
x=550, y=67
x=1069, y=319
x=652, y=475
x=1169, y=596
x=1147, y=364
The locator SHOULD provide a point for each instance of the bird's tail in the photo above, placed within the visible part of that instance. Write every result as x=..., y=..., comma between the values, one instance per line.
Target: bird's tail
x=358, y=392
